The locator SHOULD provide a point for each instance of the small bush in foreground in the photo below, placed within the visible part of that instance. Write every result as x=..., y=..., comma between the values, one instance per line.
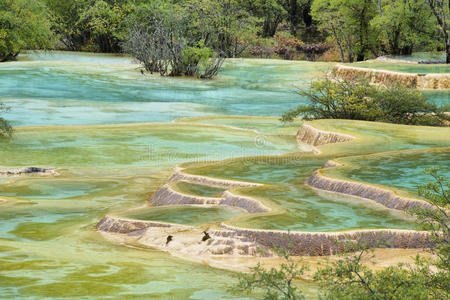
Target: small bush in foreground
x=348, y=278
x=276, y=283
x=437, y=221
x=358, y=100
x=5, y=129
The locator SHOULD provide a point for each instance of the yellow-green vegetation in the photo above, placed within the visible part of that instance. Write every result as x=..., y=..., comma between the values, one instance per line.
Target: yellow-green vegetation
x=345, y=30
x=23, y=25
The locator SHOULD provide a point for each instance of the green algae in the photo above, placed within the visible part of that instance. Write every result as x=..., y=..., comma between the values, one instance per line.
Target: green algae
x=268, y=125
x=53, y=189
x=133, y=145
x=185, y=214
x=197, y=189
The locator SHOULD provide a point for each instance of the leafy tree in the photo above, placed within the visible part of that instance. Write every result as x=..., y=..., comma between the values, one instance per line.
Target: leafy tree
x=94, y=25
x=221, y=24
x=403, y=26
x=23, y=25
x=298, y=11
x=348, y=21
x=349, y=278
x=327, y=13
x=359, y=100
x=104, y=24
x=163, y=42
x=64, y=17
x=357, y=15
x=271, y=13
x=441, y=10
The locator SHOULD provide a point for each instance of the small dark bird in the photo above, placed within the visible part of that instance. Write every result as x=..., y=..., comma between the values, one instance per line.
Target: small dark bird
x=169, y=239
x=142, y=72
x=206, y=236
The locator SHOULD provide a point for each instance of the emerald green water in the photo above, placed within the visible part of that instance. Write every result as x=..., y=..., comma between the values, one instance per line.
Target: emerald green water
x=112, y=162
x=399, y=170
x=296, y=205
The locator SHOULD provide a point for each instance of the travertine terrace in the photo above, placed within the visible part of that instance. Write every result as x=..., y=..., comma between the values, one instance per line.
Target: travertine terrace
x=231, y=240
x=418, y=81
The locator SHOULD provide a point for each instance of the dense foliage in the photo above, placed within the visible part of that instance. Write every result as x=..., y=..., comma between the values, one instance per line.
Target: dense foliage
x=345, y=30
x=24, y=24
x=171, y=41
x=5, y=127
x=359, y=100
x=349, y=277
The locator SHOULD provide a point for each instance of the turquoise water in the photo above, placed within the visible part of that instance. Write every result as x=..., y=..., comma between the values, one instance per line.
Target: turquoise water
x=68, y=88
x=48, y=245
x=303, y=209
x=399, y=169
x=298, y=207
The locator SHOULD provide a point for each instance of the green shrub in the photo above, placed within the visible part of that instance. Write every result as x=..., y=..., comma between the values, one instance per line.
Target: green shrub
x=197, y=61
x=276, y=283
x=24, y=24
x=358, y=100
x=348, y=278
x=5, y=127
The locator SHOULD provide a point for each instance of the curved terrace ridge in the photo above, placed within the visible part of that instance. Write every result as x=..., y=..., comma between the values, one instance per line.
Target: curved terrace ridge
x=431, y=81
x=232, y=240
x=236, y=241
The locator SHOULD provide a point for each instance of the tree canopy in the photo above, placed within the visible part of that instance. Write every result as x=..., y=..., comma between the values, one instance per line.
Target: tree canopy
x=24, y=24
x=345, y=30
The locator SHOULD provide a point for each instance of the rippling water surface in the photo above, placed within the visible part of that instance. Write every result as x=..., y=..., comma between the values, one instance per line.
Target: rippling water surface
x=48, y=245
